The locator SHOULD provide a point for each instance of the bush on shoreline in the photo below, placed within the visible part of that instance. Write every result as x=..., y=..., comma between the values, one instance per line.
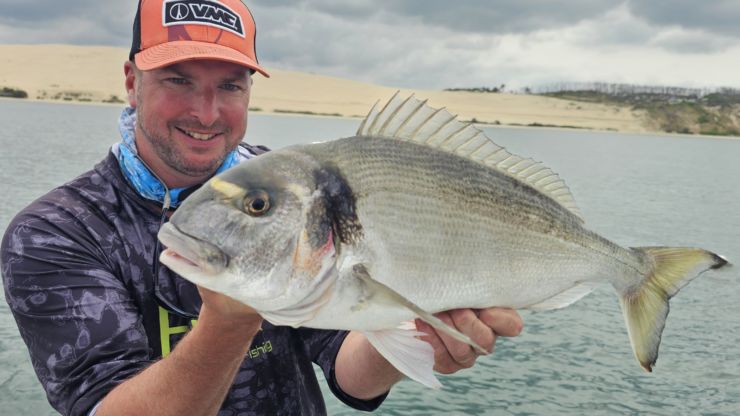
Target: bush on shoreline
x=13, y=93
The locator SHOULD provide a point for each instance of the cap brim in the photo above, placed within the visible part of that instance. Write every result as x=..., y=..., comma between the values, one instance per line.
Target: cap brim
x=173, y=52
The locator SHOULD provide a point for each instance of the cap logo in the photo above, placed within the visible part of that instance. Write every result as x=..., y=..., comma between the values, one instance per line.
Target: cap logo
x=202, y=12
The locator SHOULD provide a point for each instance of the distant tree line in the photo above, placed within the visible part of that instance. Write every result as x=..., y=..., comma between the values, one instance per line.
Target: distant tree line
x=625, y=93
x=634, y=90
x=500, y=88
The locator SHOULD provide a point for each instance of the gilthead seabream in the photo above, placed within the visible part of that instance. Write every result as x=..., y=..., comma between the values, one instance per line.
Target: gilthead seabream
x=418, y=213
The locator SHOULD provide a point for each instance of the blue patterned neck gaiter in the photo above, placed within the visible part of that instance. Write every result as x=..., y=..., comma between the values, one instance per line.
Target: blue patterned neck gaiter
x=139, y=176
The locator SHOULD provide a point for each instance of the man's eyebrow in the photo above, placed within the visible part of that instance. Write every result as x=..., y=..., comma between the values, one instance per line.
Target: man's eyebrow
x=236, y=76
x=176, y=70
x=232, y=80
x=240, y=75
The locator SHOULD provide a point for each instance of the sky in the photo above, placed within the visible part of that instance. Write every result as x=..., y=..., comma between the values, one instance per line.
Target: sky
x=436, y=44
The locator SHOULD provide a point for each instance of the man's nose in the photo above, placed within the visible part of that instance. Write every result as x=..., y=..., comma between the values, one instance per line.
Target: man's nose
x=206, y=107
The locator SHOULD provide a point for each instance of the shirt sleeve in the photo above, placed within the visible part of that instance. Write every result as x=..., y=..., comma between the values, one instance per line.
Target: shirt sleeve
x=323, y=346
x=82, y=328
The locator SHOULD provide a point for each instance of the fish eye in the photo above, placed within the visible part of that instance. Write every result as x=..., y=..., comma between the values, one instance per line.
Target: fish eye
x=257, y=203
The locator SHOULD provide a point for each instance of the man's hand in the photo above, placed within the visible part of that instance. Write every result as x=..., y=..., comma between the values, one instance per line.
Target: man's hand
x=227, y=308
x=481, y=325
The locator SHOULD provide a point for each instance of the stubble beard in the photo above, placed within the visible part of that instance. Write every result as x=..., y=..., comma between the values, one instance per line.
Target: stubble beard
x=167, y=151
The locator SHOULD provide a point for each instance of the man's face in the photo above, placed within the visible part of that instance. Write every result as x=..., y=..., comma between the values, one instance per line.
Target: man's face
x=190, y=115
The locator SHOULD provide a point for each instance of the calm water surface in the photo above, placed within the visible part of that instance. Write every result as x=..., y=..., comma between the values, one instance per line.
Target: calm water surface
x=634, y=189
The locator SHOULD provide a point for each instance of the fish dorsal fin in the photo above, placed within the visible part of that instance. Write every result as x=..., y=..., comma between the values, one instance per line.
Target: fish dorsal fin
x=411, y=119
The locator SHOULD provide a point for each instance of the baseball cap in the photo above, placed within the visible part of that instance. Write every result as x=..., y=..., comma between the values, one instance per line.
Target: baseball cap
x=171, y=31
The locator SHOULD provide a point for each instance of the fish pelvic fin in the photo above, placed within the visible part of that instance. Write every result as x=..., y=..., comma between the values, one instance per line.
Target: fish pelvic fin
x=384, y=293
x=401, y=346
x=645, y=307
x=405, y=351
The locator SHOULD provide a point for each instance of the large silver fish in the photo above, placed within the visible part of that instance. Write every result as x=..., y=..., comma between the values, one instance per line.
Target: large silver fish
x=416, y=214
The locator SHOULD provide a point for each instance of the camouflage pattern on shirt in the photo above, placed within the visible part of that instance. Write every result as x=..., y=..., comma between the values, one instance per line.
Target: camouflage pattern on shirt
x=77, y=271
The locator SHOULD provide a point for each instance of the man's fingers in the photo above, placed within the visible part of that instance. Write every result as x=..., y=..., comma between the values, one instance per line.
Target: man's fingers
x=467, y=322
x=443, y=362
x=503, y=321
x=460, y=352
x=482, y=326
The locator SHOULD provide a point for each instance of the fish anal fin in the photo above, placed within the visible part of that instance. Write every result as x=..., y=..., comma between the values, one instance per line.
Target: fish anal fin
x=382, y=293
x=564, y=298
x=413, y=120
x=410, y=355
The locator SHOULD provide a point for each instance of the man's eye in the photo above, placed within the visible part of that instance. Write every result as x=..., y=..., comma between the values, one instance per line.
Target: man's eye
x=177, y=80
x=231, y=87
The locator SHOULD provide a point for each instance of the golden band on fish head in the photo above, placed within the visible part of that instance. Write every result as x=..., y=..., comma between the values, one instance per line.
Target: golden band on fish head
x=274, y=219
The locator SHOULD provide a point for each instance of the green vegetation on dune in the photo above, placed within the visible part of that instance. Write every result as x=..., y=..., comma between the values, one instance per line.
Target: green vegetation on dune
x=13, y=93
x=672, y=110
x=113, y=99
x=693, y=118
x=494, y=90
x=307, y=113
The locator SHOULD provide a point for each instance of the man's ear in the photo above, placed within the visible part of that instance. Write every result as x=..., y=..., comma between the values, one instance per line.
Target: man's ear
x=131, y=72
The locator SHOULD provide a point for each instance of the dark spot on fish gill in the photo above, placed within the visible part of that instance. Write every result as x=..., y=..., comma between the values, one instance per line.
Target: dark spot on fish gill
x=336, y=210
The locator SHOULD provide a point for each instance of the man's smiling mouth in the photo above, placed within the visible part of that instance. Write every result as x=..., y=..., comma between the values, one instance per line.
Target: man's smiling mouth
x=198, y=136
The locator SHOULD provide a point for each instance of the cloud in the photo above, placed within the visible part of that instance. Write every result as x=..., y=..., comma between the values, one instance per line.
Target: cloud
x=469, y=16
x=82, y=22
x=711, y=16
x=620, y=27
x=684, y=41
x=388, y=42
x=438, y=44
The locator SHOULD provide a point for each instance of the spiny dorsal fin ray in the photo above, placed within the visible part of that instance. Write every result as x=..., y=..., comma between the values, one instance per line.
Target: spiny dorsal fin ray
x=411, y=119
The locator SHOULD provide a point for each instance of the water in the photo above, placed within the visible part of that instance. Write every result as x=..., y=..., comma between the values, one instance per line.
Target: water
x=634, y=189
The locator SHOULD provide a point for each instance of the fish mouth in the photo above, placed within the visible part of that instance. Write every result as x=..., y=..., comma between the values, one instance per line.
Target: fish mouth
x=186, y=253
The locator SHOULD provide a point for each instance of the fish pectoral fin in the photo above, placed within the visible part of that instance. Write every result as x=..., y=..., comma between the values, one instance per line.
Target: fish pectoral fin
x=410, y=355
x=380, y=292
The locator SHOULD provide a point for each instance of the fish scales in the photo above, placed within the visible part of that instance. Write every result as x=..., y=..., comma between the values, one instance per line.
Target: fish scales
x=471, y=212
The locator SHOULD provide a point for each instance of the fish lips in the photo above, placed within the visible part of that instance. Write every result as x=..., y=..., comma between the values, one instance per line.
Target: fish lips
x=190, y=252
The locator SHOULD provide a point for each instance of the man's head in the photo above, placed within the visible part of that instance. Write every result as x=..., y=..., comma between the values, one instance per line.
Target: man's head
x=189, y=79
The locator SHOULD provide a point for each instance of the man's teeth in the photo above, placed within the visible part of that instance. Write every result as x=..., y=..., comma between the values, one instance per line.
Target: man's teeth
x=200, y=136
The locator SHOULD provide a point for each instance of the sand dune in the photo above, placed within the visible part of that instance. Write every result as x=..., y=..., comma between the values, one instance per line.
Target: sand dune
x=95, y=74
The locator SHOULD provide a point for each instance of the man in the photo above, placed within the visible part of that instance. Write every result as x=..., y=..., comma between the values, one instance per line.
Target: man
x=80, y=269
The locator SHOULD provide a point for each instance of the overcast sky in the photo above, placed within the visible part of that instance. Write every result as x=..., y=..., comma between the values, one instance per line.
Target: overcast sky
x=438, y=44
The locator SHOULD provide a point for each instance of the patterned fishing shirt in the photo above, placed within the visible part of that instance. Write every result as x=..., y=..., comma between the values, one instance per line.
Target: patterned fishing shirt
x=77, y=271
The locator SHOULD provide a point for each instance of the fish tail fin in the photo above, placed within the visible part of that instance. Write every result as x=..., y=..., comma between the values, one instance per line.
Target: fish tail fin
x=645, y=306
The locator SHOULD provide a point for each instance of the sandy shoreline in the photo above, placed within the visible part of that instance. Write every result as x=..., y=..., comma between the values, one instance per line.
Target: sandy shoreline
x=65, y=73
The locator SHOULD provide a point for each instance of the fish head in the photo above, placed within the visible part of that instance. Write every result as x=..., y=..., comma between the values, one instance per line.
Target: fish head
x=257, y=233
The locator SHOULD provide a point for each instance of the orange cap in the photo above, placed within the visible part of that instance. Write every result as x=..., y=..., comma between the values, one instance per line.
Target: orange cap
x=171, y=31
